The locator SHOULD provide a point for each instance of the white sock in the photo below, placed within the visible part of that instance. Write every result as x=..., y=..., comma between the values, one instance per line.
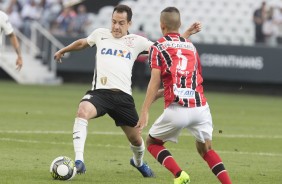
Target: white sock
x=138, y=154
x=79, y=137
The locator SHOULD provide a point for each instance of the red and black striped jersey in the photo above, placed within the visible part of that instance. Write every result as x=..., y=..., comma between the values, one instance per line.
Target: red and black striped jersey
x=181, y=71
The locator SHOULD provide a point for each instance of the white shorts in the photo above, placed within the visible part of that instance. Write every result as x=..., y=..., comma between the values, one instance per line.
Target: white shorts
x=197, y=120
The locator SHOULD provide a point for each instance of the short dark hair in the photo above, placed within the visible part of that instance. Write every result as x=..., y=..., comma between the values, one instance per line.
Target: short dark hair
x=170, y=10
x=170, y=17
x=124, y=8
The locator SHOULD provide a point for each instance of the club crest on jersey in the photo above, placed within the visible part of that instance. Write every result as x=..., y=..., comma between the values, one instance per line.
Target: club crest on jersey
x=104, y=80
x=129, y=41
x=115, y=52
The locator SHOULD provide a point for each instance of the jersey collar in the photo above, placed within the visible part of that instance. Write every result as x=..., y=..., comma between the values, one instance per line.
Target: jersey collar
x=168, y=34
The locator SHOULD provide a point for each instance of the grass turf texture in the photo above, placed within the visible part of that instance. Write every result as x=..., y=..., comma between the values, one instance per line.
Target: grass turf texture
x=36, y=127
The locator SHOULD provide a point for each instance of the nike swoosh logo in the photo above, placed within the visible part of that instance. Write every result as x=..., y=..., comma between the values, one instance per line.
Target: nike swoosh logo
x=104, y=38
x=75, y=132
x=76, y=138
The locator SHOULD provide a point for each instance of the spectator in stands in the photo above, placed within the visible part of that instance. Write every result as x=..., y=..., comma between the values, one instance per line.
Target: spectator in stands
x=270, y=28
x=6, y=28
x=81, y=21
x=23, y=2
x=64, y=21
x=31, y=11
x=51, y=10
x=2, y=5
x=13, y=10
x=277, y=16
x=259, y=18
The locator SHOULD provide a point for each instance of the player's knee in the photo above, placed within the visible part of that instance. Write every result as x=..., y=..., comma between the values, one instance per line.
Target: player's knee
x=86, y=110
x=202, y=152
x=82, y=113
x=135, y=141
x=150, y=141
x=203, y=148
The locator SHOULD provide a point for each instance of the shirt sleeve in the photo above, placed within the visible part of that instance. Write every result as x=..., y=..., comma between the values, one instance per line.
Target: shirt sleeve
x=92, y=38
x=7, y=27
x=154, y=58
x=146, y=44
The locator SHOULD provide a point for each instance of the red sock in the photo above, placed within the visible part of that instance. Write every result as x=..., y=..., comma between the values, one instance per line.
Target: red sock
x=164, y=157
x=217, y=167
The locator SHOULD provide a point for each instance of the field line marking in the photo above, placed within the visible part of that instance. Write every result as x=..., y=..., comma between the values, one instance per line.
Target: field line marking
x=121, y=133
x=126, y=147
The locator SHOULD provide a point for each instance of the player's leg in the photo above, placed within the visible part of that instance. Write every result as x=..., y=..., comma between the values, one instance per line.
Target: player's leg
x=213, y=160
x=202, y=130
x=125, y=116
x=138, y=148
x=92, y=105
x=86, y=111
x=167, y=128
x=162, y=155
x=136, y=144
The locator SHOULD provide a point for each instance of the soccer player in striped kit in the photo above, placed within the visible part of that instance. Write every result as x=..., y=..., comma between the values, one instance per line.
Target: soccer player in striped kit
x=110, y=94
x=175, y=62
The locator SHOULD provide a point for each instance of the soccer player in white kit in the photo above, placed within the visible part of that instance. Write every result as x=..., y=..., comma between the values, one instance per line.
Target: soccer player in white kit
x=175, y=62
x=111, y=87
x=7, y=29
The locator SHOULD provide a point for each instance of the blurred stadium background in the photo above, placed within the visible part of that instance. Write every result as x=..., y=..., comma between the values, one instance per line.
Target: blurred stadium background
x=226, y=44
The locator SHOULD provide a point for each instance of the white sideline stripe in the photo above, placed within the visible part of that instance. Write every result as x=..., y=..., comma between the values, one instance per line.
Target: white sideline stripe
x=121, y=133
x=127, y=147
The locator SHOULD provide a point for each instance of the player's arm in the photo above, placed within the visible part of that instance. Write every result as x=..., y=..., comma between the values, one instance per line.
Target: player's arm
x=152, y=91
x=193, y=29
x=74, y=46
x=14, y=41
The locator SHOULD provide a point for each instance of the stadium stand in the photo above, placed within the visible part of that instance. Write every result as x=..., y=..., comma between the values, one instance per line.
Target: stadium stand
x=227, y=30
x=224, y=21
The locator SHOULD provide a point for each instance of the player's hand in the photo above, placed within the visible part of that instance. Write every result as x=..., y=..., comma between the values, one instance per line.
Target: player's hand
x=195, y=28
x=58, y=56
x=143, y=121
x=19, y=63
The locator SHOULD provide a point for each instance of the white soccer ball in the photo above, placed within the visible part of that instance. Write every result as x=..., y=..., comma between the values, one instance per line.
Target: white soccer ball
x=63, y=168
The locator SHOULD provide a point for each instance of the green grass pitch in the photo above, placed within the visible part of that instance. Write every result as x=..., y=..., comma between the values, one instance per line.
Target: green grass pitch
x=36, y=126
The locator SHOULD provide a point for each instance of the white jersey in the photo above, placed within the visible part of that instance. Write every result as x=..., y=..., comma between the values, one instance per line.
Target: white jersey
x=5, y=25
x=115, y=58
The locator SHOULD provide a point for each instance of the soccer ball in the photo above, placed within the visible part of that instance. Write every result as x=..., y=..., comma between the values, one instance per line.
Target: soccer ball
x=63, y=168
